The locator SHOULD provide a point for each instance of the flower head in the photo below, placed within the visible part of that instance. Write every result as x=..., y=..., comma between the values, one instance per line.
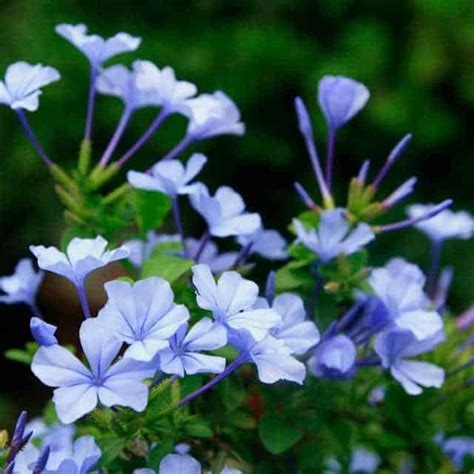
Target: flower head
x=79, y=388
x=334, y=358
x=213, y=114
x=43, y=333
x=171, y=93
x=23, y=285
x=170, y=177
x=97, y=49
x=184, y=353
x=143, y=315
x=445, y=225
x=334, y=235
x=340, y=98
x=82, y=257
x=22, y=85
x=396, y=345
x=266, y=243
x=231, y=301
x=224, y=212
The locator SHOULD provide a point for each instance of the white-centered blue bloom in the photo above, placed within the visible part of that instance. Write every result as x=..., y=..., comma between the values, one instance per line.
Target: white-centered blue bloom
x=334, y=235
x=399, y=286
x=79, y=388
x=119, y=81
x=295, y=330
x=171, y=93
x=82, y=257
x=224, y=212
x=170, y=177
x=340, y=99
x=396, y=346
x=143, y=315
x=232, y=301
x=43, y=333
x=184, y=353
x=213, y=114
x=22, y=84
x=334, y=358
x=445, y=225
x=23, y=285
x=97, y=49
x=267, y=243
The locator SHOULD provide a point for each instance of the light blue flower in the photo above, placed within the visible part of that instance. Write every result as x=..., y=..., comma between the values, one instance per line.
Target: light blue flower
x=224, y=212
x=23, y=285
x=97, y=49
x=218, y=262
x=457, y=447
x=143, y=315
x=179, y=463
x=213, y=114
x=183, y=355
x=172, y=94
x=396, y=345
x=231, y=301
x=22, y=85
x=79, y=388
x=334, y=235
x=82, y=257
x=340, y=99
x=267, y=243
x=399, y=286
x=43, y=333
x=170, y=177
x=334, y=358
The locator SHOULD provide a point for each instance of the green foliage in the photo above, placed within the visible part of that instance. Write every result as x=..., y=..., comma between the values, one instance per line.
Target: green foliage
x=166, y=266
x=277, y=434
x=151, y=208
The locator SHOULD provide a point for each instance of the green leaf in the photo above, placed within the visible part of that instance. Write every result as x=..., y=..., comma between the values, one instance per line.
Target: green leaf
x=166, y=266
x=151, y=208
x=276, y=434
x=24, y=356
x=111, y=447
x=199, y=429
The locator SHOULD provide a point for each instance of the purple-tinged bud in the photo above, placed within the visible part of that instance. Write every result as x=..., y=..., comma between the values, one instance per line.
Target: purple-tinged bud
x=411, y=222
x=304, y=122
x=392, y=157
x=466, y=320
x=42, y=461
x=400, y=193
x=19, y=430
x=363, y=172
x=444, y=283
x=305, y=197
x=270, y=287
x=43, y=333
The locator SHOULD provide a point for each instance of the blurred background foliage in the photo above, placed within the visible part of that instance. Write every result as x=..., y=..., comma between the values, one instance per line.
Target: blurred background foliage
x=416, y=57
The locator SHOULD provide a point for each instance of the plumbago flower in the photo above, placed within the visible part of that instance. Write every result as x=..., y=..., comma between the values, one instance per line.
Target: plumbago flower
x=42, y=332
x=267, y=243
x=224, y=212
x=399, y=286
x=142, y=315
x=396, y=345
x=22, y=286
x=333, y=235
x=170, y=177
x=79, y=388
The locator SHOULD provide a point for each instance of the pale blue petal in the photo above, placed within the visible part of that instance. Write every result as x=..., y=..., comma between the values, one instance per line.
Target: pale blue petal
x=74, y=402
x=179, y=464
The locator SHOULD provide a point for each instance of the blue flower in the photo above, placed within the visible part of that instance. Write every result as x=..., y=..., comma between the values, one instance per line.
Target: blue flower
x=43, y=333
x=266, y=243
x=94, y=47
x=224, y=213
x=79, y=388
x=334, y=358
x=334, y=235
x=170, y=177
x=298, y=333
x=179, y=463
x=213, y=114
x=183, y=355
x=445, y=225
x=142, y=315
x=399, y=286
x=232, y=301
x=23, y=285
x=210, y=255
x=396, y=345
x=121, y=82
x=457, y=447
x=340, y=98
x=172, y=94
x=82, y=257
x=22, y=85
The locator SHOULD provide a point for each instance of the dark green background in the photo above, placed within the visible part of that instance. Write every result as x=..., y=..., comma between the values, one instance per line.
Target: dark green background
x=416, y=57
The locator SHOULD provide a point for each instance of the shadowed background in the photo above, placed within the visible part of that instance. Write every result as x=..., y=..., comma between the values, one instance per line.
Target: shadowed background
x=416, y=57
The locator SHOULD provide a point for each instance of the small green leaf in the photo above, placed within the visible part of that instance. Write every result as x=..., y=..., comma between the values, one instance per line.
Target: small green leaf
x=111, y=447
x=151, y=208
x=166, y=266
x=276, y=434
x=199, y=429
